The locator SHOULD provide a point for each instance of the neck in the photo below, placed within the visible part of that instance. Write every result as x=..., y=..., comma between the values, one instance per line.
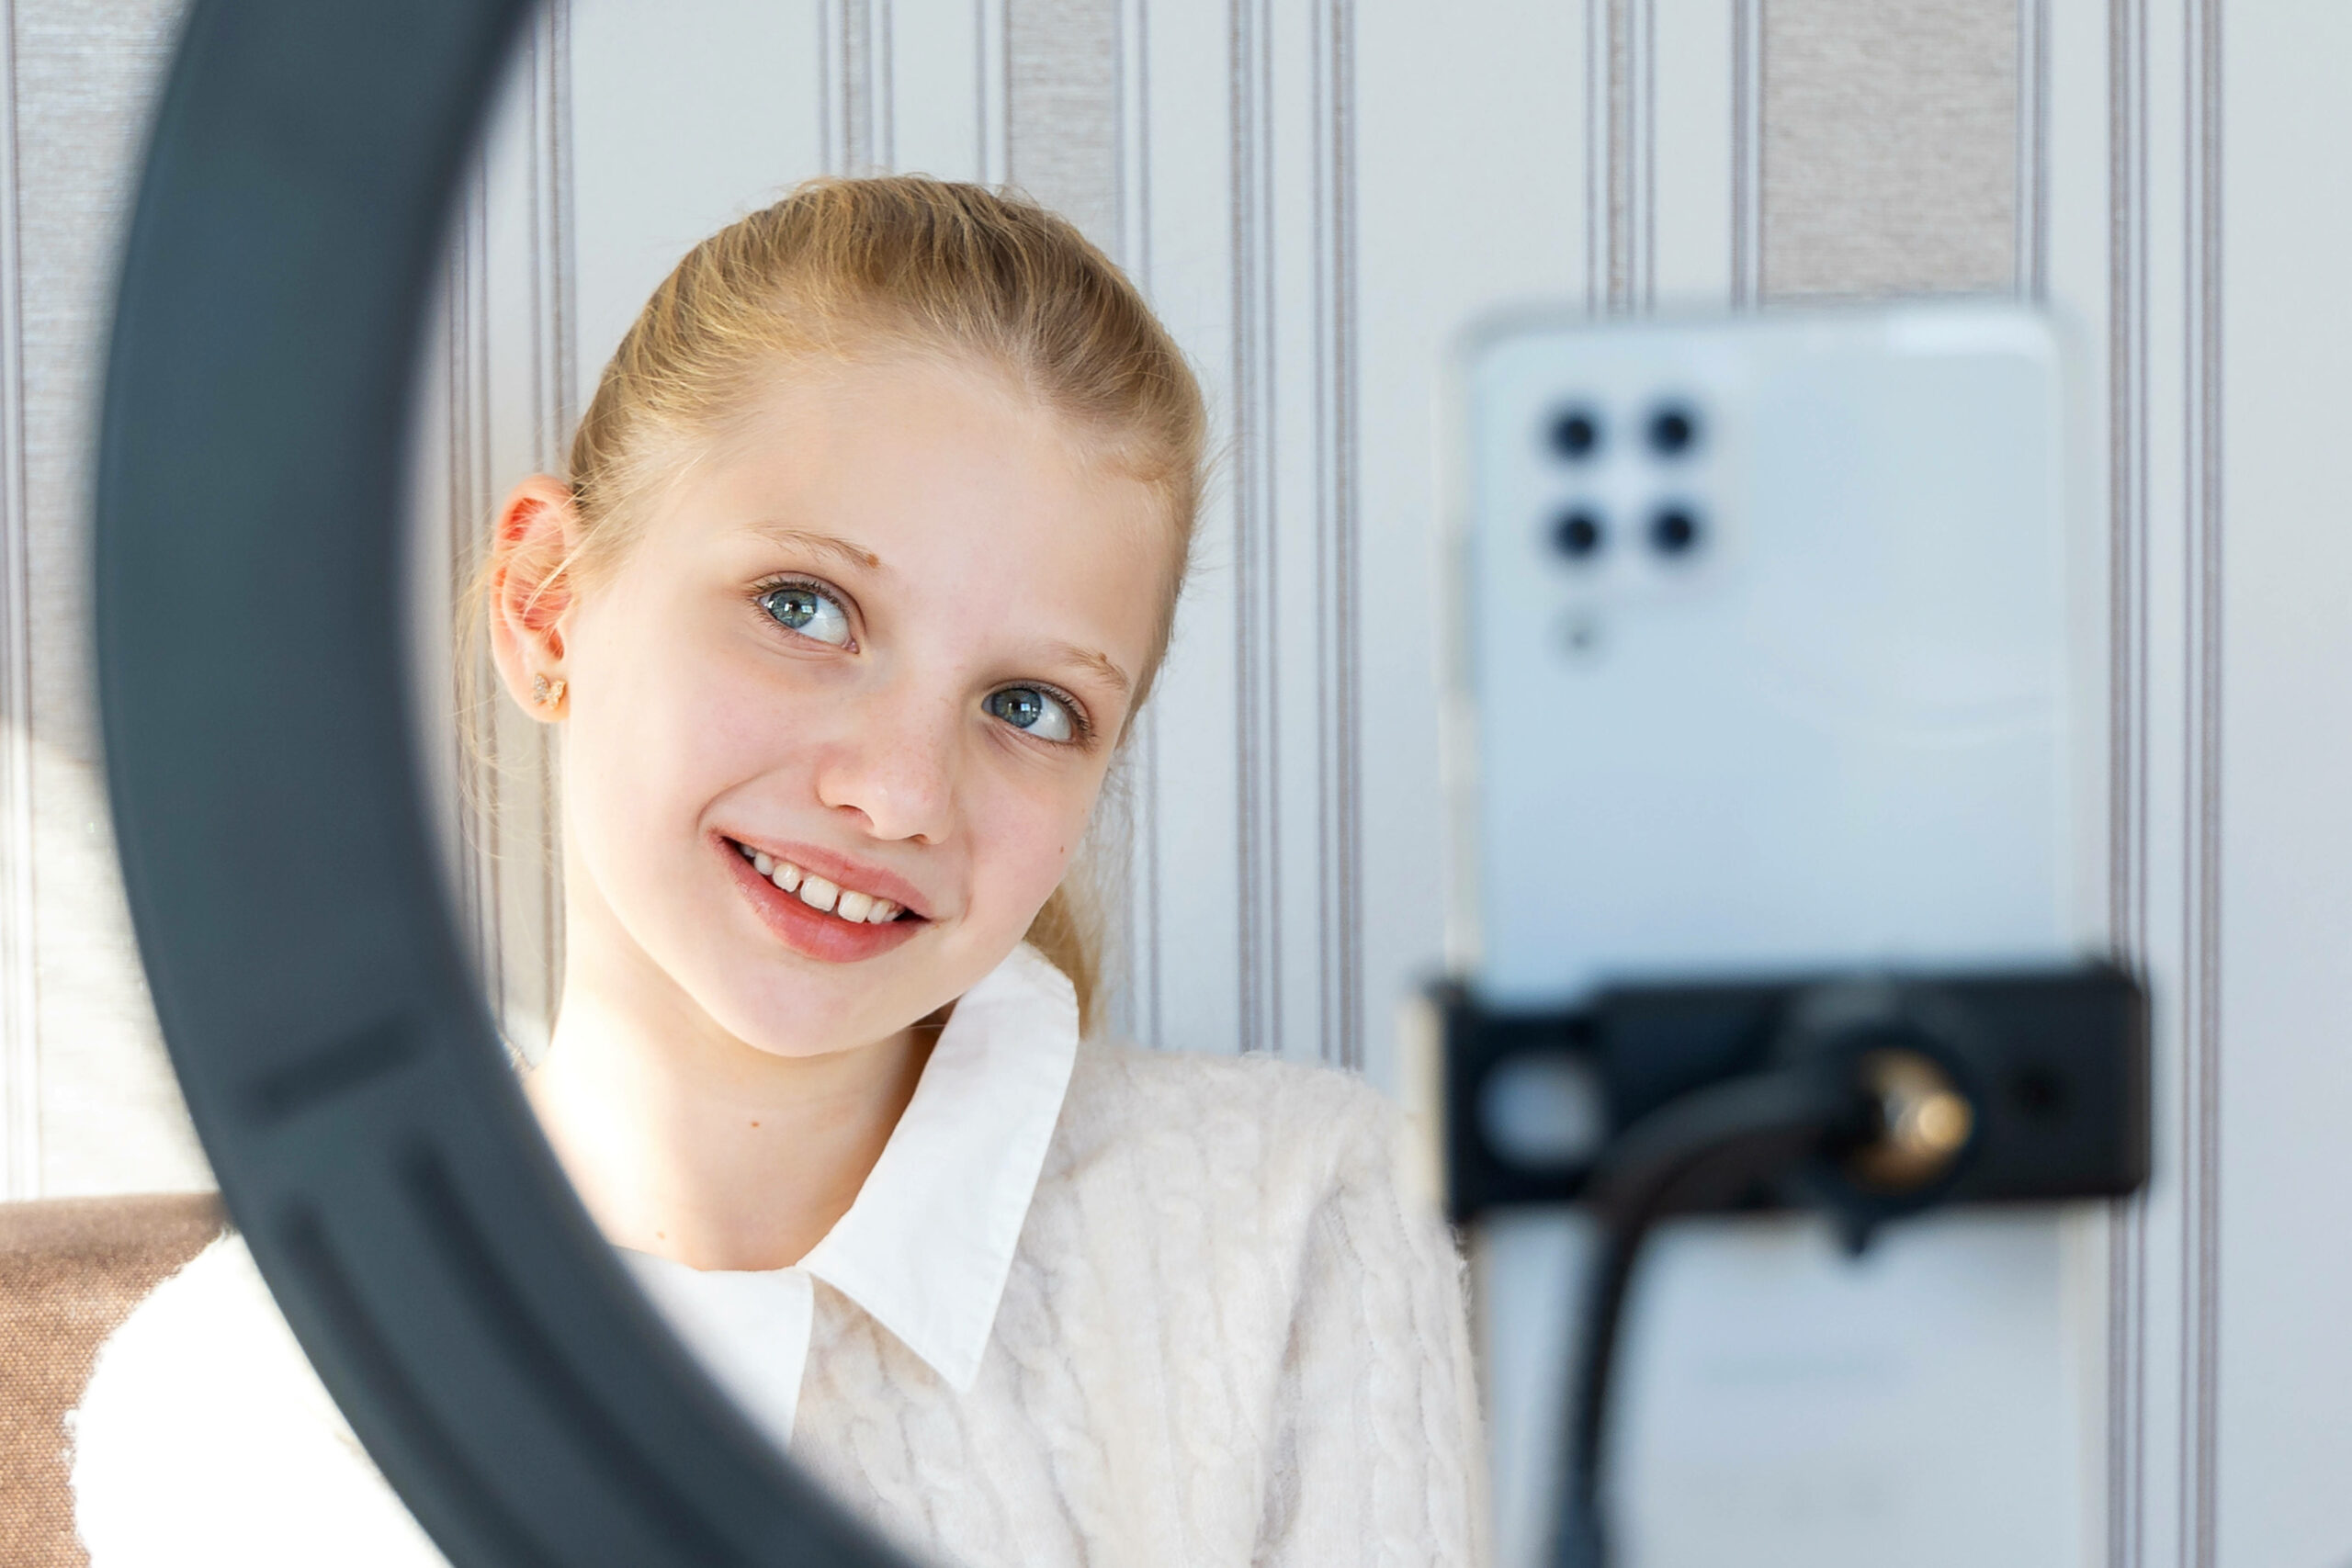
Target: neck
x=687, y=1144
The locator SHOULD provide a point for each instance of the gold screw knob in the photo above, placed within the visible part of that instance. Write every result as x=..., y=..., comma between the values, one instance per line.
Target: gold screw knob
x=1924, y=1122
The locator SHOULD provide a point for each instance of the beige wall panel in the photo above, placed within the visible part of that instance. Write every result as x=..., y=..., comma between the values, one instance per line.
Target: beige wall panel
x=1062, y=76
x=1889, y=157
x=112, y=1118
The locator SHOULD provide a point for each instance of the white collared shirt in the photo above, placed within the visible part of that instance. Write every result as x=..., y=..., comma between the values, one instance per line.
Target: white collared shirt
x=925, y=1248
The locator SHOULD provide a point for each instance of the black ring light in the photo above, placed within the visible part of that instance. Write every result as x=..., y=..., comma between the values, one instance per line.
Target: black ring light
x=343, y=1072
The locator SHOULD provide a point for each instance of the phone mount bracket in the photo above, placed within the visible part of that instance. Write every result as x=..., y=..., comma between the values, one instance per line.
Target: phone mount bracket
x=2051, y=1066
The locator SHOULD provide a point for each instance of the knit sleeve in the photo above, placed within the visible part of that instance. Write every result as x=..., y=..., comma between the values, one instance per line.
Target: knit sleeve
x=1377, y=1459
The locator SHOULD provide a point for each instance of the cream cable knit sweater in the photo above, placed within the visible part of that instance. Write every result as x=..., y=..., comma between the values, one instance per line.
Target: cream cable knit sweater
x=1230, y=1337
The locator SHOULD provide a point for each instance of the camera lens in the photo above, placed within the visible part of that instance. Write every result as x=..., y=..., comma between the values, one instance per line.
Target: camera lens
x=1673, y=430
x=1674, y=530
x=1576, y=432
x=1579, y=533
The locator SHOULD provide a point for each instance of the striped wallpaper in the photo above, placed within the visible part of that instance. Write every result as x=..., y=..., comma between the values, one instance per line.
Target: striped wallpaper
x=1316, y=193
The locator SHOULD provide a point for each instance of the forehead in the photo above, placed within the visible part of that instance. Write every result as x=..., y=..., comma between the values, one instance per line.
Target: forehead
x=939, y=471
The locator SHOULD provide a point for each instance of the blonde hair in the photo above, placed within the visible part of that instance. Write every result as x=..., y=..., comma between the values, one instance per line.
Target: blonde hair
x=846, y=268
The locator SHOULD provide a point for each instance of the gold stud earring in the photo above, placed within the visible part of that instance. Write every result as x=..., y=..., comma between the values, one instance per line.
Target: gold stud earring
x=547, y=692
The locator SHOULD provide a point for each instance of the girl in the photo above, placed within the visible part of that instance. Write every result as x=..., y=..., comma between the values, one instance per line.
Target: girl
x=869, y=553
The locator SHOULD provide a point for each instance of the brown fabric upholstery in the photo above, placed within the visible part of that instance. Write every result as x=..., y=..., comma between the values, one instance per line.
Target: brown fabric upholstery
x=71, y=1269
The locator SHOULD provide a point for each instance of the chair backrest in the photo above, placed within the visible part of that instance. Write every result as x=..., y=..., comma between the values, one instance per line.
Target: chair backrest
x=71, y=1269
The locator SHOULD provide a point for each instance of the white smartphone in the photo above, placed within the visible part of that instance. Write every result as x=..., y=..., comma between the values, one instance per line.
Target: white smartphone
x=1770, y=658
x=1768, y=646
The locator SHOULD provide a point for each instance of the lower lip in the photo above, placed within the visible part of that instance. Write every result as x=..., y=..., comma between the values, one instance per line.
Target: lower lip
x=807, y=932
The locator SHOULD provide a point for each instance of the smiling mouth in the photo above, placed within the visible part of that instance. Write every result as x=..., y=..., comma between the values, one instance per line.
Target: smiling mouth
x=846, y=904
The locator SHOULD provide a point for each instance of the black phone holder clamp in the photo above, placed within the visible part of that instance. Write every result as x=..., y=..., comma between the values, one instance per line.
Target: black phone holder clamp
x=1865, y=1097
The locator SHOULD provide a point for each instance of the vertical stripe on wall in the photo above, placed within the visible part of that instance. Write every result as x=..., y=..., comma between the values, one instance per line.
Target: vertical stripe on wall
x=1132, y=25
x=2127, y=764
x=554, y=402
x=1139, y=1009
x=1257, y=693
x=2201, y=958
x=2166, y=516
x=853, y=48
x=555, y=383
x=1599, y=155
x=1621, y=76
x=20, y=1163
x=1746, y=152
x=2031, y=266
x=1128, y=834
x=1339, y=728
x=992, y=68
x=477, y=699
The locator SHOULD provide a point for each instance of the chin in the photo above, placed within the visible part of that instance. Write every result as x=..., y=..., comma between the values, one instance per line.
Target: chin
x=797, y=1014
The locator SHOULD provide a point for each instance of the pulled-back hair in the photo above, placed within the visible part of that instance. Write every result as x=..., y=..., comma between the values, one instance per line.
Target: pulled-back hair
x=850, y=268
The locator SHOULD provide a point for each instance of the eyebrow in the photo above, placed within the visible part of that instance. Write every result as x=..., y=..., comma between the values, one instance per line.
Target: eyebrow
x=1098, y=662
x=818, y=544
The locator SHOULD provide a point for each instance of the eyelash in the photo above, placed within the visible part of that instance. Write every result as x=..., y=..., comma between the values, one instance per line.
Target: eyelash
x=1080, y=719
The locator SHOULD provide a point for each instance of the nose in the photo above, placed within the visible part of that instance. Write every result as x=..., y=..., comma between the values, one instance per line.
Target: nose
x=893, y=767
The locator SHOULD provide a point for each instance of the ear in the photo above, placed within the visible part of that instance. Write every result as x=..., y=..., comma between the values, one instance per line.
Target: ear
x=530, y=590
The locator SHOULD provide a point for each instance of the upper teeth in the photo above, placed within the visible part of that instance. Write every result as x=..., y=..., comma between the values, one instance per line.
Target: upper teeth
x=818, y=894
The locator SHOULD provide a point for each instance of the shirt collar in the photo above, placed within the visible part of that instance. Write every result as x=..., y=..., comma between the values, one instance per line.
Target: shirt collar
x=926, y=1248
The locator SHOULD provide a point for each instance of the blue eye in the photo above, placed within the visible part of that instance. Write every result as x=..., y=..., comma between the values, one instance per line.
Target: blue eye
x=798, y=608
x=1040, y=713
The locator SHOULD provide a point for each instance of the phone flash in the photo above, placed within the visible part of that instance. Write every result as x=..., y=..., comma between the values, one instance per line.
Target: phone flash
x=1580, y=634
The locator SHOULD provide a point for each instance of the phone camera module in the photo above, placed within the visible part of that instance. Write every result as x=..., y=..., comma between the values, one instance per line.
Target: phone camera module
x=1576, y=432
x=1578, y=534
x=1675, y=531
x=1673, y=430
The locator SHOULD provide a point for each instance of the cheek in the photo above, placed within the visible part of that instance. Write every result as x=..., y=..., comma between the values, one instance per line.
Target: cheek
x=1023, y=839
x=657, y=727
